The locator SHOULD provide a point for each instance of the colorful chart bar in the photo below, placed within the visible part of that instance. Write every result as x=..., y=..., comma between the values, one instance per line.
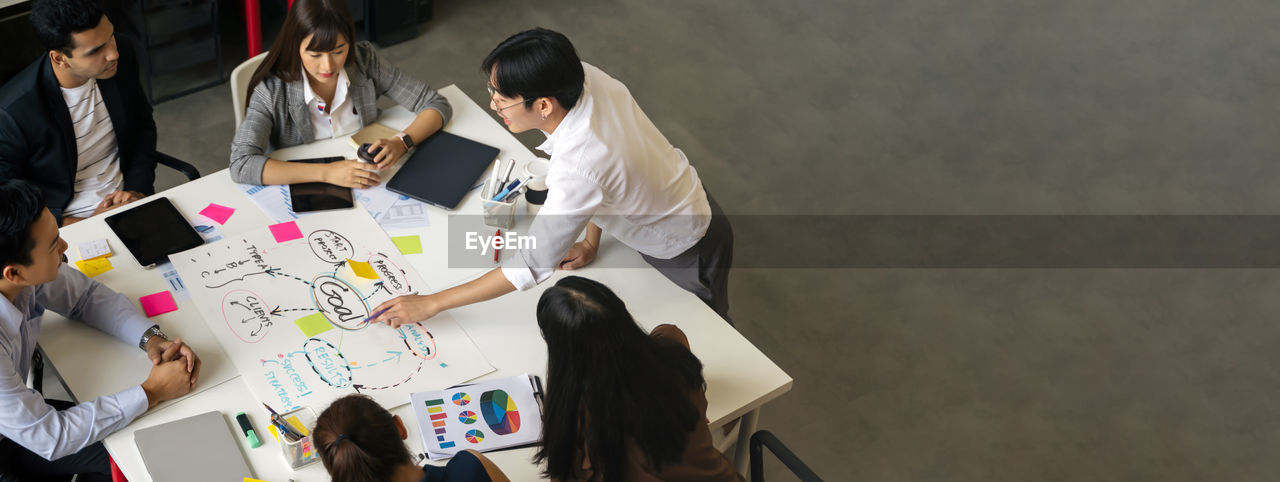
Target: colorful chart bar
x=439, y=423
x=435, y=409
x=446, y=445
x=438, y=401
x=439, y=431
x=439, y=416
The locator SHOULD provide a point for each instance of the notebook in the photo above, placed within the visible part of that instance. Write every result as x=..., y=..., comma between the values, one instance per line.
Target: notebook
x=193, y=449
x=442, y=169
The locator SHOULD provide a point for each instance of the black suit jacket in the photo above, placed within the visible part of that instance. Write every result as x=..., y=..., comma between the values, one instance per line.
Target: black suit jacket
x=37, y=143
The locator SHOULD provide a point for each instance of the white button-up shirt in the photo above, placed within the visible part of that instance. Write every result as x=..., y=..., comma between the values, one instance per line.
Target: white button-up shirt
x=337, y=118
x=25, y=417
x=610, y=165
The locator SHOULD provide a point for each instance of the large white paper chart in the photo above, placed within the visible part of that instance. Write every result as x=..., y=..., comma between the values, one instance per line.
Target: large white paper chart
x=288, y=303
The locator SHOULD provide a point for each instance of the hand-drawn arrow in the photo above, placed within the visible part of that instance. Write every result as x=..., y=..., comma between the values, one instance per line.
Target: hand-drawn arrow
x=276, y=271
x=277, y=311
x=396, y=356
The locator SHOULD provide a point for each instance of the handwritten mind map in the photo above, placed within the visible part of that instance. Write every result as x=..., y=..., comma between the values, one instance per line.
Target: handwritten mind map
x=291, y=315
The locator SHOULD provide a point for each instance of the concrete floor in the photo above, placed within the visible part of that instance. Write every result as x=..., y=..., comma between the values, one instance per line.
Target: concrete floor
x=856, y=107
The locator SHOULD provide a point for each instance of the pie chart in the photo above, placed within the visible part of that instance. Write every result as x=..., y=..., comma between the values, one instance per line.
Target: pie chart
x=474, y=436
x=461, y=399
x=468, y=417
x=500, y=412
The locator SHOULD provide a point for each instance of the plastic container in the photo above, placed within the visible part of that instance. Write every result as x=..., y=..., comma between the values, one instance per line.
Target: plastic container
x=302, y=452
x=497, y=214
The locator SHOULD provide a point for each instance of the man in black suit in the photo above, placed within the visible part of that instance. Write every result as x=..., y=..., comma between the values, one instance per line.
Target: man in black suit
x=76, y=122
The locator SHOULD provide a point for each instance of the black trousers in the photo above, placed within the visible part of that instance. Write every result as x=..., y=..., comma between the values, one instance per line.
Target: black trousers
x=704, y=269
x=17, y=464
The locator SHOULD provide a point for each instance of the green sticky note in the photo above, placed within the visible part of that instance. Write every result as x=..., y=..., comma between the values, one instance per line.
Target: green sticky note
x=313, y=325
x=408, y=244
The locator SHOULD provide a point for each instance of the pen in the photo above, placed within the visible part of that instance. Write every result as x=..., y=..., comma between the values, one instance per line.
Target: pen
x=512, y=196
x=510, y=167
x=495, y=248
x=493, y=176
x=375, y=315
x=502, y=195
x=280, y=422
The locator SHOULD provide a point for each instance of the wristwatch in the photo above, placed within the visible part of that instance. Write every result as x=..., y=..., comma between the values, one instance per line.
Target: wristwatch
x=408, y=141
x=146, y=336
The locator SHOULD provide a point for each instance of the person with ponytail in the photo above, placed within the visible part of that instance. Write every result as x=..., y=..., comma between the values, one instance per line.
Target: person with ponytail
x=621, y=404
x=318, y=82
x=359, y=441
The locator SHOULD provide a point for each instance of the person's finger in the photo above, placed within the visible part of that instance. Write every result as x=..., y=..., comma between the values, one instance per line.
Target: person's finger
x=171, y=350
x=195, y=374
x=190, y=356
x=155, y=357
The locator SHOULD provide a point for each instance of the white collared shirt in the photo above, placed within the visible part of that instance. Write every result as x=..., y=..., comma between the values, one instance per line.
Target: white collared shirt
x=611, y=165
x=26, y=418
x=337, y=118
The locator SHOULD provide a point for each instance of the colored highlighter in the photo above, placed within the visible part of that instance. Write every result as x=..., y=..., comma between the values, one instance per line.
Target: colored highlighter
x=249, y=432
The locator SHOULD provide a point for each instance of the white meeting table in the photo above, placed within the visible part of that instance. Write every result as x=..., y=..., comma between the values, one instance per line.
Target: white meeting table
x=740, y=379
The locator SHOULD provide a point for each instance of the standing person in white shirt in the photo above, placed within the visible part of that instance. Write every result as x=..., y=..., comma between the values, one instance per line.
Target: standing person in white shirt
x=610, y=169
x=40, y=438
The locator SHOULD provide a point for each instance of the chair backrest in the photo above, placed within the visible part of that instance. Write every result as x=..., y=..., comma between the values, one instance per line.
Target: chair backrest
x=240, y=84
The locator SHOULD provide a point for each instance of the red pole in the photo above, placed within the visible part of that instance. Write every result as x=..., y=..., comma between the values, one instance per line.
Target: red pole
x=253, y=24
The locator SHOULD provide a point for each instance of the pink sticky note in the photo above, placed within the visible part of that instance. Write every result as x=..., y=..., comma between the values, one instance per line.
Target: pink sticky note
x=158, y=304
x=286, y=231
x=217, y=212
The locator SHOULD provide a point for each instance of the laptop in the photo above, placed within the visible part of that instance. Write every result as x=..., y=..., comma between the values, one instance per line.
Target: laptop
x=192, y=449
x=442, y=170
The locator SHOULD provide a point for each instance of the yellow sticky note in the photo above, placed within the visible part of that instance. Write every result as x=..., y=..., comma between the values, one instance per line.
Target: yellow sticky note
x=94, y=267
x=362, y=269
x=296, y=424
x=312, y=325
x=408, y=244
x=272, y=428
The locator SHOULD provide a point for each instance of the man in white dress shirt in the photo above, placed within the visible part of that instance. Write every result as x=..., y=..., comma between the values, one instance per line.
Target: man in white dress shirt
x=611, y=169
x=40, y=438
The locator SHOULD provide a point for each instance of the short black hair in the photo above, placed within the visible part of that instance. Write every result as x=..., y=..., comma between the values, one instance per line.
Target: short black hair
x=536, y=63
x=55, y=21
x=21, y=205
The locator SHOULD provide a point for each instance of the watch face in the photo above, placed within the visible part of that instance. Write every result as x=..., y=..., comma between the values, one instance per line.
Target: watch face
x=408, y=141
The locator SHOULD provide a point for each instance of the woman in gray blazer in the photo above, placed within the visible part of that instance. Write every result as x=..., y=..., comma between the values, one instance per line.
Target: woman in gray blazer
x=317, y=83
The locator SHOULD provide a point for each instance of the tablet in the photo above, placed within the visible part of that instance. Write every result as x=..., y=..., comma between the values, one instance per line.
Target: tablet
x=319, y=196
x=154, y=230
x=442, y=170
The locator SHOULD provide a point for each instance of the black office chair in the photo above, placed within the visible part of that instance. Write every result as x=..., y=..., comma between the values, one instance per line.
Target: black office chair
x=764, y=438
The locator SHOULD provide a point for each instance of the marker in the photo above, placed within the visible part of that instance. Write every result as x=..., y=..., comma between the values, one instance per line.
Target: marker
x=375, y=315
x=503, y=195
x=495, y=249
x=249, y=432
x=493, y=176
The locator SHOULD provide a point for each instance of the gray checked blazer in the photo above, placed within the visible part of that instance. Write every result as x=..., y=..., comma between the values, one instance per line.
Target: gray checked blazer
x=277, y=114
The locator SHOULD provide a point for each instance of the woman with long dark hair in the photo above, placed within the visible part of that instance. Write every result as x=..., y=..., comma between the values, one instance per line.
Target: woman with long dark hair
x=359, y=441
x=317, y=82
x=621, y=404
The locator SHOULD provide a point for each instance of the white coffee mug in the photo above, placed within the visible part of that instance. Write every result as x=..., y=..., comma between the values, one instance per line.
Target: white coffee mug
x=537, y=192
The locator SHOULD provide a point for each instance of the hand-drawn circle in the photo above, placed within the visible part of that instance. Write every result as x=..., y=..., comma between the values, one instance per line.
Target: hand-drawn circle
x=418, y=340
x=393, y=278
x=329, y=246
x=245, y=302
x=341, y=363
x=339, y=302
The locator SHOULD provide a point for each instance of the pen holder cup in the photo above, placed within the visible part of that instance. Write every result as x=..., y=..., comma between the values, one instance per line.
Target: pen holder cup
x=301, y=452
x=496, y=213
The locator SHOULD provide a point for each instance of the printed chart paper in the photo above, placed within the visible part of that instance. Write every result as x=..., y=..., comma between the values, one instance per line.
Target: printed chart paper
x=290, y=315
x=489, y=415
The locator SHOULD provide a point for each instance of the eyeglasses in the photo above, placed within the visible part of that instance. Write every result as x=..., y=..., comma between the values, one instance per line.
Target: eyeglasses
x=493, y=92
